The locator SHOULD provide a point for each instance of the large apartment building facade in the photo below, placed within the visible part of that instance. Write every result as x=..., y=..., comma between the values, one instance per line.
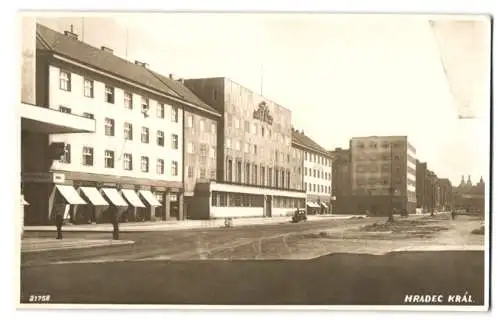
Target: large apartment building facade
x=383, y=174
x=259, y=173
x=133, y=162
x=317, y=173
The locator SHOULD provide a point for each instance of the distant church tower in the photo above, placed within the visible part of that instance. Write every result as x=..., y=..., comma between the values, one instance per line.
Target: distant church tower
x=462, y=182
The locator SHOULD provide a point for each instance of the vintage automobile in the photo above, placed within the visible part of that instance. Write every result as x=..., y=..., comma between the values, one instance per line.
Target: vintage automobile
x=299, y=215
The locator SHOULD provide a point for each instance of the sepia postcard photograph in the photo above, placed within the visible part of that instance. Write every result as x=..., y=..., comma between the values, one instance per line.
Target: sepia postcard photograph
x=254, y=160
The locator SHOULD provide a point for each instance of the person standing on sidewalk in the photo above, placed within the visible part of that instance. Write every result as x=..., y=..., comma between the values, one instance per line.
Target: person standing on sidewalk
x=59, y=212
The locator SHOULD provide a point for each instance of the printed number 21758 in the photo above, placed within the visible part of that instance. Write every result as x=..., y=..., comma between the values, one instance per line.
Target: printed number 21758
x=39, y=298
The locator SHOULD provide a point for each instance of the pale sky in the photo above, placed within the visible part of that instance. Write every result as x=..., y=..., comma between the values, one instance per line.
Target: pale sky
x=342, y=76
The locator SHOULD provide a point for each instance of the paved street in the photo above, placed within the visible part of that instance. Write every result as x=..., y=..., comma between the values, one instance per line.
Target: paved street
x=319, y=262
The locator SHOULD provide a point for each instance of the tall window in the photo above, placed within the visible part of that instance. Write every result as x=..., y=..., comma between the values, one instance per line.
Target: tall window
x=189, y=121
x=145, y=135
x=127, y=161
x=190, y=148
x=110, y=94
x=66, y=157
x=144, y=164
x=65, y=81
x=160, y=111
x=109, y=127
x=212, y=152
x=88, y=156
x=254, y=174
x=212, y=174
x=175, y=168
x=109, y=159
x=247, y=173
x=127, y=131
x=175, y=114
x=262, y=175
x=203, y=173
x=144, y=104
x=88, y=88
x=229, y=170
x=255, y=149
x=238, y=145
x=228, y=142
x=160, y=166
x=202, y=125
x=238, y=172
x=190, y=171
x=288, y=179
x=269, y=176
x=160, y=138
x=175, y=141
x=214, y=127
x=128, y=100
x=203, y=150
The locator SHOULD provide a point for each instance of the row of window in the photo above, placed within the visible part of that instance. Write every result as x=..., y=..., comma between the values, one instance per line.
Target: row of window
x=109, y=130
x=109, y=160
x=250, y=175
x=203, y=173
x=315, y=158
x=374, y=145
x=376, y=156
x=253, y=200
x=203, y=149
x=109, y=96
x=189, y=124
x=317, y=173
x=317, y=188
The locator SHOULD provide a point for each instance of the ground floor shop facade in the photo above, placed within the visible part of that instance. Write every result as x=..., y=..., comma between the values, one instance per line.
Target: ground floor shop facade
x=90, y=198
x=318, y=204
x=228, y=200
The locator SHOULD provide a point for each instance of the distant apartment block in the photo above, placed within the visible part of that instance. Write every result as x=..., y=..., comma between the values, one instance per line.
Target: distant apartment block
x=383, y=174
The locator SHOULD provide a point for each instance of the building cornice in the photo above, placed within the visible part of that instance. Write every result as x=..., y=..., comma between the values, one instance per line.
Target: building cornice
x=310, y=149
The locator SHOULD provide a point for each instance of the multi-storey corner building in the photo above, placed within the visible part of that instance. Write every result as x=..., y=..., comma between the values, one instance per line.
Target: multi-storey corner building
x=133, y=162
x=341, y=180
x=259, y=173
x=317, y=170
x=38, y=123
x=383, y=174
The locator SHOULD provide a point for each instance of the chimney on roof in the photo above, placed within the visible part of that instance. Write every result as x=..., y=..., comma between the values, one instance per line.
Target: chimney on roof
x=171, y=76
x=302, y=131
x=71, y=34
x=106, y=49
x=181, y=80
x=143, y=64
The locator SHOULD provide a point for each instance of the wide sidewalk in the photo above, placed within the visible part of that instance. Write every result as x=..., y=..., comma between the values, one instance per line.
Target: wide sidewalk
x=183, y=225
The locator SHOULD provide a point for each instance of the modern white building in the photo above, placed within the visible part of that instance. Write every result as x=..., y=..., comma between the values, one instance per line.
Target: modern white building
x=133, y=160
x=317, y=173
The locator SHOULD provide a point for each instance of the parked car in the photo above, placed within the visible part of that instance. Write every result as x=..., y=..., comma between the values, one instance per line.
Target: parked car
x=299, y=215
